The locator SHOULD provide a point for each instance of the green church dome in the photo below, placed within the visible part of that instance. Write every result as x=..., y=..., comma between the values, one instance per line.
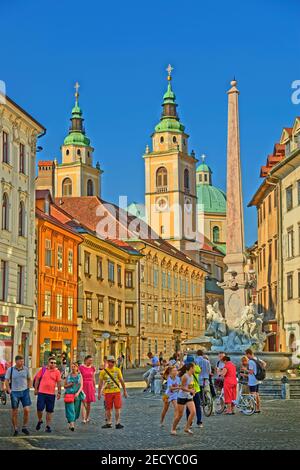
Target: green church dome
x=203, y=167
x=76, y=134
x=77, y=138
x=213, y=199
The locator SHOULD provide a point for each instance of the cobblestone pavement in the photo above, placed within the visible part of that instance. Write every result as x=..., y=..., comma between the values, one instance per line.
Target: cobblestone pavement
x=276, y=428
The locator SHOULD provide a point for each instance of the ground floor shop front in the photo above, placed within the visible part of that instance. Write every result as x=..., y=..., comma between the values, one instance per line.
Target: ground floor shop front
x=57, y=339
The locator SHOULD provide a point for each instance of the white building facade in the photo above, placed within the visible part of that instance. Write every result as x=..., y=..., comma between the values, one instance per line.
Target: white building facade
x=18, y=320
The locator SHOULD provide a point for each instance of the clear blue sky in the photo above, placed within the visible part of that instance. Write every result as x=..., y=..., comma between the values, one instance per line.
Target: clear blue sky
x=119, y=50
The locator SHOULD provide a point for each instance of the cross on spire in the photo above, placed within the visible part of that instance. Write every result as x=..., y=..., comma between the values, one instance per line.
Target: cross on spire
x=76, y=92
x=203, y=156
x=169, y=69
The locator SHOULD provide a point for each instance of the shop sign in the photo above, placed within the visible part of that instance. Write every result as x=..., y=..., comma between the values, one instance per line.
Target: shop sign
x=59, y=329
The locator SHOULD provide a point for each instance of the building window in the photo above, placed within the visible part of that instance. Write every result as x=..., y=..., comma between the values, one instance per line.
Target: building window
x=70, y=261
x=161, y=178
x=90, y=188
x=59, y=258
x=129, y=316
x=164, y=316
x=187, y=287
x=164, y=280
x=3, y=280
x=111, y=313
x=175, y=283
x=182, y=319
x=174, y=139
x=270, y=203
x=186, y=179
x=187, y=320
x=264, y=210
x=181, y=286
x=155, y=314
x=67, y=187
x=100, y=310
x=20, y=284
x=149, y=345
x=205, y=177
x=59, y=306
x=119, y=314
x=275, y=197
x=5, y=212
x=149, y=314
x=111, y=271
x=21, y=219
x=176, y=318
x=87, y=263
x=169, y=281
x=219, y=273
x=290, y=286
x=290, y=244
x=155, y=346
x=142, y=272
x=47, y=304
x=155, y=277
x=264, y=256
x=88, y=308
x=129, y=279
x=22, y=158
x=5, y=147
x=289, y=198
x=161, y=139
x=170, y=317
x=119, y=275
x=48, y=253
x=142, y=312
x=70, y=308
x=99, y=268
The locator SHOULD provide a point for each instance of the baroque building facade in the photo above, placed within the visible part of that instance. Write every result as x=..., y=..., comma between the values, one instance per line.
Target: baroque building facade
x=18, y=317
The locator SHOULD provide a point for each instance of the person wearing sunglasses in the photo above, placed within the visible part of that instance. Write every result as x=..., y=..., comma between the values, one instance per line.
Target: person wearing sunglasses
x=45, y=383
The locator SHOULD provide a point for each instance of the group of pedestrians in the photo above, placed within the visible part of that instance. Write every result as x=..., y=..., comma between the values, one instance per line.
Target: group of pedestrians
x=187, y=380
x=79, y=392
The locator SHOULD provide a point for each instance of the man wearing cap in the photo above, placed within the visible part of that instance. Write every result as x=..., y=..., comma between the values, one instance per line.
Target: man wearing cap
x=109, y=383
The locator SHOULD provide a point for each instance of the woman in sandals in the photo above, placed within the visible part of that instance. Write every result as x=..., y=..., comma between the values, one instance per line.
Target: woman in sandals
x=87, y=371
x=173, y=386
x=230, y=385
x=185, y=398
x=73, y=395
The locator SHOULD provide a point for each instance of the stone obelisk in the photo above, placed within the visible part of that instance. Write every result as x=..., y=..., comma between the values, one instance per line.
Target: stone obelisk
x=234, y=288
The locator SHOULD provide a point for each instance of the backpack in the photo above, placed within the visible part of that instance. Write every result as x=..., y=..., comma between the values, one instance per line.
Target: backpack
x=39, y=380
x=260, y=370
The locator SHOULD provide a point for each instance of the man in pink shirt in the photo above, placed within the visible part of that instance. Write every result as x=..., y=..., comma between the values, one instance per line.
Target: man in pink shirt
x=46, y=381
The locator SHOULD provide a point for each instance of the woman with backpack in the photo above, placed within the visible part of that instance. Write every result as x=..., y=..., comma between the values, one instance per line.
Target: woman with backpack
x=73, y=395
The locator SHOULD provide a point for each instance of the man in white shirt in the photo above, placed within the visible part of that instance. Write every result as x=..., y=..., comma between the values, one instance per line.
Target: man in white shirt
x=253, y=383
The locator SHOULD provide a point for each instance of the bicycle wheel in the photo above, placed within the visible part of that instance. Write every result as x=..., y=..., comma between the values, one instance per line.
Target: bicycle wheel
x=208, y=404
x=248, y=405
x=219, y=405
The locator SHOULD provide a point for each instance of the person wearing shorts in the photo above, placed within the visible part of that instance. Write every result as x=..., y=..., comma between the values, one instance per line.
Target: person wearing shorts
x=185, y=398
x=46, y=381
x=109, y=384
x=17, y=384
x=253, y=383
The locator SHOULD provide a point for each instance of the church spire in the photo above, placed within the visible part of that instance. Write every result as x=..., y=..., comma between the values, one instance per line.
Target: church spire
x=169, y=120
x=76, y=131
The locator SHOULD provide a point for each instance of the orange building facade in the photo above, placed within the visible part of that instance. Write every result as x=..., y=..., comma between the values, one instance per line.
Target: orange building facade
x=57, y=281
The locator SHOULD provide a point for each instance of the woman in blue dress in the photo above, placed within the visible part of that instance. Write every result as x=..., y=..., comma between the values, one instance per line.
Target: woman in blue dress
x=73, y=395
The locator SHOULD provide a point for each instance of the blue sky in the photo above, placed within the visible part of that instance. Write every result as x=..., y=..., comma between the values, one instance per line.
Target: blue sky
x=119, y=50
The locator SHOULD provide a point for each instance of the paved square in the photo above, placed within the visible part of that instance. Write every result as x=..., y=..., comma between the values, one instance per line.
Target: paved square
x=276, y=428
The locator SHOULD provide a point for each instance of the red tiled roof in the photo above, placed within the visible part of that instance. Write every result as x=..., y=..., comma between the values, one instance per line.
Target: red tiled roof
x=50, y=218
x=116, y=224
x=272, y=159
x=45, y=163
x=42, y=194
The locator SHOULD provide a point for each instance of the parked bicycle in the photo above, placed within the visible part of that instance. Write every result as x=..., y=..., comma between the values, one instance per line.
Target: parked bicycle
x=206, y=399
x=246, y=403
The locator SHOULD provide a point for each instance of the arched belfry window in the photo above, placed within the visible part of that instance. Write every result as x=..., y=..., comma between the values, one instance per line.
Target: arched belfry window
x=161, y=178
x=67, y=187
x=186, y=179
x=5, y=212
x=90, y=188
x=216, y=234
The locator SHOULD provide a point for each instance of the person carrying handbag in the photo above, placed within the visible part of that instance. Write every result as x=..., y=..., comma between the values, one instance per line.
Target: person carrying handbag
x=73, y=395
x=109, y=381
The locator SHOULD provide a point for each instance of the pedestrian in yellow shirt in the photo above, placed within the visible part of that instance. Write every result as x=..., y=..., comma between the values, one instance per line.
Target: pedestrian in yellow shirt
x=109, y=384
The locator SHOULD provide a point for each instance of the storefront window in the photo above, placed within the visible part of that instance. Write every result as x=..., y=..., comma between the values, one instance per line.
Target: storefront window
x=6, y=344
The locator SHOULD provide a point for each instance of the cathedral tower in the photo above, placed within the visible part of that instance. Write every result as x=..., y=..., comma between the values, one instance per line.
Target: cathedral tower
x=170, y=193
